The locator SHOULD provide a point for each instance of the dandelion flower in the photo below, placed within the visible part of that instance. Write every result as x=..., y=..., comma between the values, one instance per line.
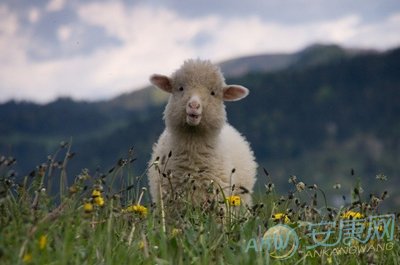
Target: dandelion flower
x=99, y=201
x=141, y=245
x=42, y=242
x=352, y=215
x=233, y=200
x=27, y=258
x=96, y=193
x=281, y=217
x=138, y=209
x=88, y=207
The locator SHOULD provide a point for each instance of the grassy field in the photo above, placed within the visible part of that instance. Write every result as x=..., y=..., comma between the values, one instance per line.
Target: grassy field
x=107, y=219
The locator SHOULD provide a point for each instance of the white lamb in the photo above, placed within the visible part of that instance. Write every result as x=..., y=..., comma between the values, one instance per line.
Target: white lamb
x=198, y=145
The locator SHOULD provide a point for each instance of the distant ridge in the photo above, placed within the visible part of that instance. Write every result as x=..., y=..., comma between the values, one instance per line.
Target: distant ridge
x=311, y=55
x=257, y=63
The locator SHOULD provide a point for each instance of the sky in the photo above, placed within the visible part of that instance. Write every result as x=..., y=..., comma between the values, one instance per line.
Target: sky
x=94, y=50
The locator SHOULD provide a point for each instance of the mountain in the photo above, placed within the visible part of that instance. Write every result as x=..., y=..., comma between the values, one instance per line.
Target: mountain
x=257, y=63
x=326, y=111
x=312, y=55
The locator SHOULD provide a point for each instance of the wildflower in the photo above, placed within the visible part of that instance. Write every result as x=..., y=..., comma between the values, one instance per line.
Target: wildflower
x=73, y=189
x=270, y=186
x=175, y=232
x=233, y=200
x=381, y=177
x=352, y=215
x=379, y=228
x=27, y=258
x=88, y=207
x=337, y=186
x=329, y=260
x=281, y=217
x=99, y=201
x=138, y=209
x=42, y=242
x=96, y=193
x=375, y=200
x=84, y=175
x=292, y=179
x=141, y=245
x=300, y=186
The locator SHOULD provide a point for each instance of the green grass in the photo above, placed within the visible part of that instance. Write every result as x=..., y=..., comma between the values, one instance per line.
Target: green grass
x=45, y=221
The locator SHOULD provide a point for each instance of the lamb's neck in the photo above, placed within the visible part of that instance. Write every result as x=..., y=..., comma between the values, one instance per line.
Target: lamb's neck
x=193, y=140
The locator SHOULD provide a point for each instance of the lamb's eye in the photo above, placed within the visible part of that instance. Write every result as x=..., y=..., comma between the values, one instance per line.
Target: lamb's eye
x=181, y=88
x=212, y=93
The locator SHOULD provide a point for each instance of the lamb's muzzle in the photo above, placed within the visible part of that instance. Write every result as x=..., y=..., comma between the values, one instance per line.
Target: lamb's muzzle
x=193, y=111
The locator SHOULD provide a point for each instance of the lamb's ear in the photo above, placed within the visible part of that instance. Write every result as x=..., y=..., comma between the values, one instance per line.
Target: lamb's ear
x=161, y=81
x=234, y=92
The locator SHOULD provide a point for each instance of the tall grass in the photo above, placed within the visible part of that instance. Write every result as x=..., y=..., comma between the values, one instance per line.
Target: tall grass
x=107, y=219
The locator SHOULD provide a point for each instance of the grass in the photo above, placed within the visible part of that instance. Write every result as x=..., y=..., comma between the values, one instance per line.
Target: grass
x=107, y=219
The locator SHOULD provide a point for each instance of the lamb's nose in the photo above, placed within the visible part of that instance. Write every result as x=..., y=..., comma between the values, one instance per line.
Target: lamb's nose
x=194, y=105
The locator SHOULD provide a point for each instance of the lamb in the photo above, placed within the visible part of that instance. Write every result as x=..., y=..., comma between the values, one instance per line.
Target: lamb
x=198, y=145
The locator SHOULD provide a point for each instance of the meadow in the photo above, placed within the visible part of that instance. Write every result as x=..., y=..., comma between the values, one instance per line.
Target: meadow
x=108, y=218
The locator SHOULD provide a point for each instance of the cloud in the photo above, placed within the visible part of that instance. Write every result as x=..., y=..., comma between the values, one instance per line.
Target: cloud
x=64, y=33
x=55, y=5
x=157, y=40
x=380, y=35
x=34, y=15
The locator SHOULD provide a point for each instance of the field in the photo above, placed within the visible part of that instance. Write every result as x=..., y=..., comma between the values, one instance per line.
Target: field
x=107, y=218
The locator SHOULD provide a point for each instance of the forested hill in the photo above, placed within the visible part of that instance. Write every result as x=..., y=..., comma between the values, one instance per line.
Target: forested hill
x=322, y=112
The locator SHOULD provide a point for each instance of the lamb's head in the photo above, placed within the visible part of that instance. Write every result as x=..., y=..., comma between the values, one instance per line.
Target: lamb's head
x=198, y=92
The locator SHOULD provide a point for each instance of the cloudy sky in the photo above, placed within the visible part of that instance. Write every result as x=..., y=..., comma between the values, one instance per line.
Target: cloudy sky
x=99, y=49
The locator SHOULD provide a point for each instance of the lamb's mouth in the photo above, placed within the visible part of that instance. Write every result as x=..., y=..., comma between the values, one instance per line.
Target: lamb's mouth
x=193, y=118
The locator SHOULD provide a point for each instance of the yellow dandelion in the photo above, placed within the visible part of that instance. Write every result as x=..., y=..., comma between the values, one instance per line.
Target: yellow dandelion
x=379, y=228
x=233, y=200
x=137, y=208
x=281, y=217
x=141, y=244
x=27, y=258
x=99, y=201
x=329, y=260
x=88, y=207
x=42, y=242
x=96, y=193
x=352, y=215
